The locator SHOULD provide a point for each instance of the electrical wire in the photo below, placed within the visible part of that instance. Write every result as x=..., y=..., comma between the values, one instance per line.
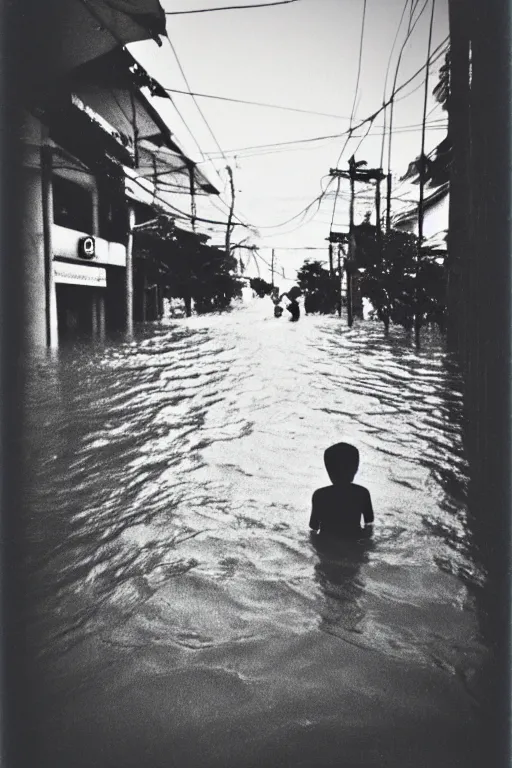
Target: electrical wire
x=386, y=79
x=356, y=90
x=302, y=212
x=278, y=144
x=350, y=130
x=230, y=8
x=369, y=119
x=410, y=30
x=182, y=214
x=255, y=103
x=359, y=63
x=193, y=97
x=422, y=153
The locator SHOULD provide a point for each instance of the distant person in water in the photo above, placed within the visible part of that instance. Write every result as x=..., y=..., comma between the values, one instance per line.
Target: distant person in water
x=294, y=309
x=338, y=508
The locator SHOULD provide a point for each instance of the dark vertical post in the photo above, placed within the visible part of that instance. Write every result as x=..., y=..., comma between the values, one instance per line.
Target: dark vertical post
x=193, y=211
x=377, y=214
x=340, y=274
x=144, y=291
x=331, y=265
x=418, y=316
x=47, y=204
x=135, y=129
x=458, y=241
x=229, y=226
x=388, y=202
x=129, y=274
x=272, y=267
x=487, y=373
x=351, y=248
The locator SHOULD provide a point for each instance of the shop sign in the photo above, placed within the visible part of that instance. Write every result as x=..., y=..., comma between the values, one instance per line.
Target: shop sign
x=79, y=274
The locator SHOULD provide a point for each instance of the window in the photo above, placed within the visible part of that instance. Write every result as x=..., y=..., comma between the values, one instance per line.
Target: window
x=72, y=205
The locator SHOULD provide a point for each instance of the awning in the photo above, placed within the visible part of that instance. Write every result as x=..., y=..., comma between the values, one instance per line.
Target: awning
x=171, y=171
x=64, y=34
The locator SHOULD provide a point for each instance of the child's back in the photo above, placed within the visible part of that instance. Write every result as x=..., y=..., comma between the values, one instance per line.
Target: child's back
x=338, y=508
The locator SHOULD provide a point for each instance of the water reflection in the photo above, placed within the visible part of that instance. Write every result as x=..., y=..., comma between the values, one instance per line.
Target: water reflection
x=338, y=573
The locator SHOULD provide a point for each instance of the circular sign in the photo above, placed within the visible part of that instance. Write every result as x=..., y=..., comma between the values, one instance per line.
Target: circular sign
x=86, y=247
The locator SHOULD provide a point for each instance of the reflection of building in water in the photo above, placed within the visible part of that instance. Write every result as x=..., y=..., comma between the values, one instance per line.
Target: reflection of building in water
x=338, y=574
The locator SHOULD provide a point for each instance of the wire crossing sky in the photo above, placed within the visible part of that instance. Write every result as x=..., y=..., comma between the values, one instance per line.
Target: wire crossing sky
x=279, y=84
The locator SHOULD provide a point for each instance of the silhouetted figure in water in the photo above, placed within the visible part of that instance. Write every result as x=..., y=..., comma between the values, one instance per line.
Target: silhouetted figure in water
x=294, y=309
x=338, y=508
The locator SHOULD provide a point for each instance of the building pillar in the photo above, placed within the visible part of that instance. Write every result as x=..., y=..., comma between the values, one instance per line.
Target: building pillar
x=144, y=293
x=129, y=274
x=52, y=335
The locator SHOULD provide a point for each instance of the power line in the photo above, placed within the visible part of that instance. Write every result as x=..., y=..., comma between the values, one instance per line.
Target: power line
x=360, y=59
x=194, y=98
x=350, y=130
x=386, y=79
x=410, y=30
x=181, y=213
x=255, y=103
x=303, y=111
x=302, y=212
x=230, y=8
x=401, y=128
x=370, y=120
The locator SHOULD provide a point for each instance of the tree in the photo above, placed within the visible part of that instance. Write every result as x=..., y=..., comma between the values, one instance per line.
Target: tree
x=195, y=271
x=261, y=287
x=318, y=287
x=398, y=286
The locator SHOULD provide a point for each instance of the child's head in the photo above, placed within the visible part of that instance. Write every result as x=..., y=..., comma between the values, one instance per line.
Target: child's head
x=341, y=462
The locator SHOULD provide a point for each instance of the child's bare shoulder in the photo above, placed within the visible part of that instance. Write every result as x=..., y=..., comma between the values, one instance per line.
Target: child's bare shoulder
x=321, y=492
x=360, y=489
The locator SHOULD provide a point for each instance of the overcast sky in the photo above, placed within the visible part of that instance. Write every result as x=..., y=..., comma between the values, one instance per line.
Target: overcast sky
x=303, y=55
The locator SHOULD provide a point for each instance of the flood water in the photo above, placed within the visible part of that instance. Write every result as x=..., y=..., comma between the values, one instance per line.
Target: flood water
x=180, y=614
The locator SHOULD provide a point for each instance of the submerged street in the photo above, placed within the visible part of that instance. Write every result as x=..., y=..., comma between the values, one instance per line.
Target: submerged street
x=180, y=614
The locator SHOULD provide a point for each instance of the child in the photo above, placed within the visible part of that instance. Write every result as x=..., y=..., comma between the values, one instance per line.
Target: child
x=338, y=508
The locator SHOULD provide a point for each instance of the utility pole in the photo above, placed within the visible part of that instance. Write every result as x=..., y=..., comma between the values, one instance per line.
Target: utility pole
x=229, y=227
x=418, y=316
x=272, y=267
x=331, y=265
x=340, y=280
x=351, y=243
x=193, y=211
x=377, y=217
x=388, y=203
x=355, y=173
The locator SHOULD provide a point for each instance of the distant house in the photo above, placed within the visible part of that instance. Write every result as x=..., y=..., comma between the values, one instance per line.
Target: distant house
x=435, y=221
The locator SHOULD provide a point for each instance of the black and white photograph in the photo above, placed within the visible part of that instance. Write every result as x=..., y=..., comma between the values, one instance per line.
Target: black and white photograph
x=255, y=366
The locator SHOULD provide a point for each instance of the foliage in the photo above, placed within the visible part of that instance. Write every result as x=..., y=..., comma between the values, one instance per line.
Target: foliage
x=442, y=89
x=399, y=285
x=319, y=288
x=261, y=287
x=192, y=270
